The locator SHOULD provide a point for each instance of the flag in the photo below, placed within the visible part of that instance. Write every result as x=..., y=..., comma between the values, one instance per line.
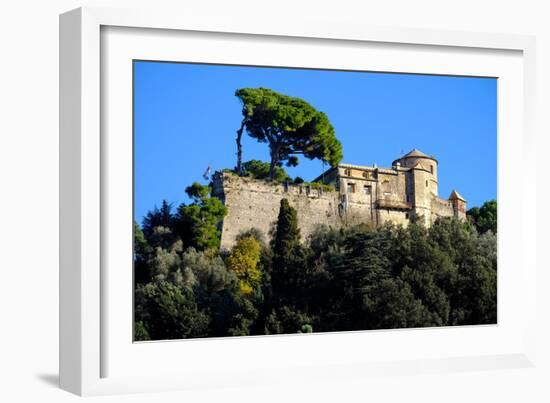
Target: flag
x=206, y=174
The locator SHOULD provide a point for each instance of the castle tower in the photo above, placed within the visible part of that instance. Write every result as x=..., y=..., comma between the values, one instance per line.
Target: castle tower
x=421, y=182
x=459, y=204
x=418, y=160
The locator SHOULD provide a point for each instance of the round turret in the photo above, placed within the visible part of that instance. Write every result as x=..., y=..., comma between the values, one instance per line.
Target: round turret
x=423, y=174
x=417, y=158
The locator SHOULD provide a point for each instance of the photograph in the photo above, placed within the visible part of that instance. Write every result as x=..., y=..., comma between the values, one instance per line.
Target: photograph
x=274, y=200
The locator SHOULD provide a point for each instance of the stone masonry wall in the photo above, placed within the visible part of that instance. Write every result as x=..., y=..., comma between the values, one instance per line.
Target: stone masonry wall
x=441, y=208
x=255, y=203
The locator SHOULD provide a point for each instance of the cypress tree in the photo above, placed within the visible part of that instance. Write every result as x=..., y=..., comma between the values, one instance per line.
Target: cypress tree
x=287, y=235
x=288, y=257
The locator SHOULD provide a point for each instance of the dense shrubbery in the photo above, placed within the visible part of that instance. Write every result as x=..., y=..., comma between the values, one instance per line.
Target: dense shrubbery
x=347, y=279
x=484, y=218
x=260, y=170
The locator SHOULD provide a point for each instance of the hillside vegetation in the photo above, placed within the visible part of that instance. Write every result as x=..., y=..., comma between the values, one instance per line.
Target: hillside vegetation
x=357, y=278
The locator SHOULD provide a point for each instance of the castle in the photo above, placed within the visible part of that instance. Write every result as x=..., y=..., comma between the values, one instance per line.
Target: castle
x=362, y=194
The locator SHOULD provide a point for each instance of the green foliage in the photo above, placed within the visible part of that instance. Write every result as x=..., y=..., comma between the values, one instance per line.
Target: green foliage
x=198, y=224
x=243, y=261
x=141, y=253
x=392, y=304
x=253, y=233
x=231, y=313
x=292, y=278
x=199, y=193
x=169, y=312
x=140, y=332
x=289, y=125
x=403, y=277
x=484, y=218
x=192, y=294
x=354, y=266
x=352, y=278
x=287, y=320
x=260, y=170
x=206, y=270
x=292, y=161
x=287, y=235
x=140, y=243
x=157, y=218
x=319, y=185
x=287, y=250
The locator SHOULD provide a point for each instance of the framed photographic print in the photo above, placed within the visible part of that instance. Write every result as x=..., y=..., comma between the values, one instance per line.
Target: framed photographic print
x=238, y=199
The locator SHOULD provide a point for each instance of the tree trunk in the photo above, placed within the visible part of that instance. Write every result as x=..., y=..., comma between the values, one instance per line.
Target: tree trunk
x=240, y=148
x=275, y=149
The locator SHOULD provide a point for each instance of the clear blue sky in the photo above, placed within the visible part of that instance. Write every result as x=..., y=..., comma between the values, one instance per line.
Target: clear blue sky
x=186, y=116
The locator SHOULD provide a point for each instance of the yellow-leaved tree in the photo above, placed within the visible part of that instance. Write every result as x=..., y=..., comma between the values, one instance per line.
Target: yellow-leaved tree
x=243, y=261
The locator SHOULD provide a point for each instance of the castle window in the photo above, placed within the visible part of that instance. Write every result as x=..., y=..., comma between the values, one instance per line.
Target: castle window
x=347, y=172
x=426, y=183
x=367, y=190
x=432, y=169
x=351, y=187
x=366, y=174
x=407, y=216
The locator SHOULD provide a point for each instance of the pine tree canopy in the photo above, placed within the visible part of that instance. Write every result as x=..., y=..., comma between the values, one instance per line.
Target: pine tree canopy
x=289, y=125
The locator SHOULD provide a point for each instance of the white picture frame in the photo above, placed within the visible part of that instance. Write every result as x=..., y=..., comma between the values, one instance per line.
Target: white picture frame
x=88, y=338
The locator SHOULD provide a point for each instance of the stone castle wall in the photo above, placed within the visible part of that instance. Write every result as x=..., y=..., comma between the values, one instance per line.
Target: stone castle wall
x=442, y=208
x=255, y=203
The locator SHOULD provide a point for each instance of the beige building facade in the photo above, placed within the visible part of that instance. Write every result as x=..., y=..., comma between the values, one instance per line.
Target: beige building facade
x=362, y=195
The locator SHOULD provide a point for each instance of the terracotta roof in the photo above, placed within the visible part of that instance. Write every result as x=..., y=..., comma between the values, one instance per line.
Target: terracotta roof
x=456, y=196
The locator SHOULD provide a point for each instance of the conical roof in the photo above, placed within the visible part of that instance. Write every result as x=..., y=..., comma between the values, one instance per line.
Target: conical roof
x=416, y=153
x=456, y=196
